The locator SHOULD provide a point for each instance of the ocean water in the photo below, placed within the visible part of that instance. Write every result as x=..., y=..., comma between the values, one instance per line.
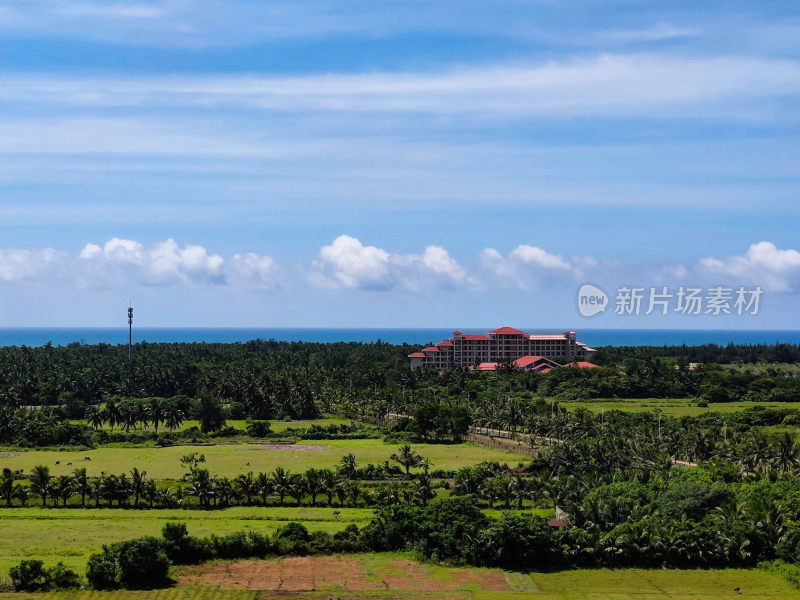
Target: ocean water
x=593, y=337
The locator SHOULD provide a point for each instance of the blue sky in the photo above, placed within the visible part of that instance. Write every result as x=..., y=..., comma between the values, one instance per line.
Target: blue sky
x=415, y=163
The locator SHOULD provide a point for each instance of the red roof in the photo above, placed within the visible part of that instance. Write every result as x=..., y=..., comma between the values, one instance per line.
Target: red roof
x=477, y=337
x=582, y=364
x=527, y=360
x=445, y=343
x=545, y=370
x=430, y=349
x=416, y=355
x=458, y=333
x=487, y=366
x=556, y=523
x=507, y=331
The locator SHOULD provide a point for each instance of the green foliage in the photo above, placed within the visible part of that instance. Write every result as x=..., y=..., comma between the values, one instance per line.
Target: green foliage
x=258, y=429
x=30, y=576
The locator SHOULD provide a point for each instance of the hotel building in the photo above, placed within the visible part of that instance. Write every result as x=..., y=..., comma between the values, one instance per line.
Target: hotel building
x=463, y=350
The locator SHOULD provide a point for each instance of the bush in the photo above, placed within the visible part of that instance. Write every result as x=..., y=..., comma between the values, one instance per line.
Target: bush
x=102, y=570
x=143, y=563
x=63, y=577
x=30, y=576
x=258, y=429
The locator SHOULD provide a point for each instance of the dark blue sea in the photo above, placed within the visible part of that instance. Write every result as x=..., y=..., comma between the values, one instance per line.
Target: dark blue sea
x=593, y=337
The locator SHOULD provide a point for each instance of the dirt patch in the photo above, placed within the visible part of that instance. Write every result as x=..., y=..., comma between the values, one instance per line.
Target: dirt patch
x=293, y=574
x=301, y=574
x=290, y=447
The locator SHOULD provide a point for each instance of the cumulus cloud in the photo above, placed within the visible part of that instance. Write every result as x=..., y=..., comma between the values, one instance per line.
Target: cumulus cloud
x=127, y=262
x=347, y=263
x=525, y=265
x=20, y=265
x=763, y=264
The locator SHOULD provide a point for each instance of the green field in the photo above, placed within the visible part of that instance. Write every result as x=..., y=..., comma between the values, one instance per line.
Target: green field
x=673, y=407
x=70, y=535
x=277, y=426
x=233, y=459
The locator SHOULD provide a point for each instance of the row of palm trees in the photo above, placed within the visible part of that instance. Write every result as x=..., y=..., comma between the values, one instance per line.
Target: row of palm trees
x=136, y=414
x=136, y=490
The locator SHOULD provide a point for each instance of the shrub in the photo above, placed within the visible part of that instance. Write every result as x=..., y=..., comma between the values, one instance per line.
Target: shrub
x=102, y=570
x=258, y=429
x=30, y=576
x=143, y=563
x=63, y=577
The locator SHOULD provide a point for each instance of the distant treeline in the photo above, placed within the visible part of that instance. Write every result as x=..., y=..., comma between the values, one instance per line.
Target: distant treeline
x=707, y=353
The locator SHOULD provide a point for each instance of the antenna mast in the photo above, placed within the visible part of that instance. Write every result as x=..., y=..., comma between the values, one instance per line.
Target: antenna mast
x=130, y=331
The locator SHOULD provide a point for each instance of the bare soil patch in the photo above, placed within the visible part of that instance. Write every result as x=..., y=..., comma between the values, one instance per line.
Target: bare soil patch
x=305, y=574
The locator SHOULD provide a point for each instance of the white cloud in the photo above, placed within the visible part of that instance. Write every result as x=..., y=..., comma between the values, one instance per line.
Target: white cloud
x=347, y=263
x=124, y=263
x=604, y=85
x=763, y=264
x=526, y=265
x=658, y=32
x=20, y=265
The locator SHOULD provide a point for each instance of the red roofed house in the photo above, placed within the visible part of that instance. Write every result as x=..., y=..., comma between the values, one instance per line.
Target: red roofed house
x=463, y=350
x=582, y=364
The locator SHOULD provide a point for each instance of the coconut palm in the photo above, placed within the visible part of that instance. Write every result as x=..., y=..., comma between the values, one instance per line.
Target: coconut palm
x=407, y=457
x=265, y=486
x=313, y=484
x=281, y=481
x=247, y=486
x=81, y=483
x=155, y=411
x=7, y=480
x=137, y=485
x=40, y=482
x=62, y=487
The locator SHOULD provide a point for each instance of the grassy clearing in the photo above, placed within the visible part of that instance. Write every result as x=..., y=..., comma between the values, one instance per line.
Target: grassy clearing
x=277, y=426
x=673, y=407
x=234, y=459
x=71, y=535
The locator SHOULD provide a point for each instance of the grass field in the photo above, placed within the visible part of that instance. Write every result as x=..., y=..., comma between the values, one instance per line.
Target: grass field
x=70, y=535
x=398, y=577
x=233, y=459
x=673, y=407
x=276, y=426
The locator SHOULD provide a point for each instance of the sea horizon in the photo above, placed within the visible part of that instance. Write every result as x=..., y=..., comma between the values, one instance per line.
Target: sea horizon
x=62, y=336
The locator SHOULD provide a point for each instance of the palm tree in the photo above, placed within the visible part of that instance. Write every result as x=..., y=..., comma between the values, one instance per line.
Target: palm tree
x=173, y=416
x=423, y=490
x=94, y=417
x=96, y=490
x=137, y=485
x=112, y=414
x=62, y=487
x=7, y=480
x=281, y=482
x=520, y=489
x=155, y=410
x=40, y=482
x=347, y=465
x=247, y=486
x=202, y=486
x=313, y=484
x=265, y=487
x=81, y=483
x=327, y=483
x=353, y=491
x=787, y=452
x=407, y=458
x=22, y=493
